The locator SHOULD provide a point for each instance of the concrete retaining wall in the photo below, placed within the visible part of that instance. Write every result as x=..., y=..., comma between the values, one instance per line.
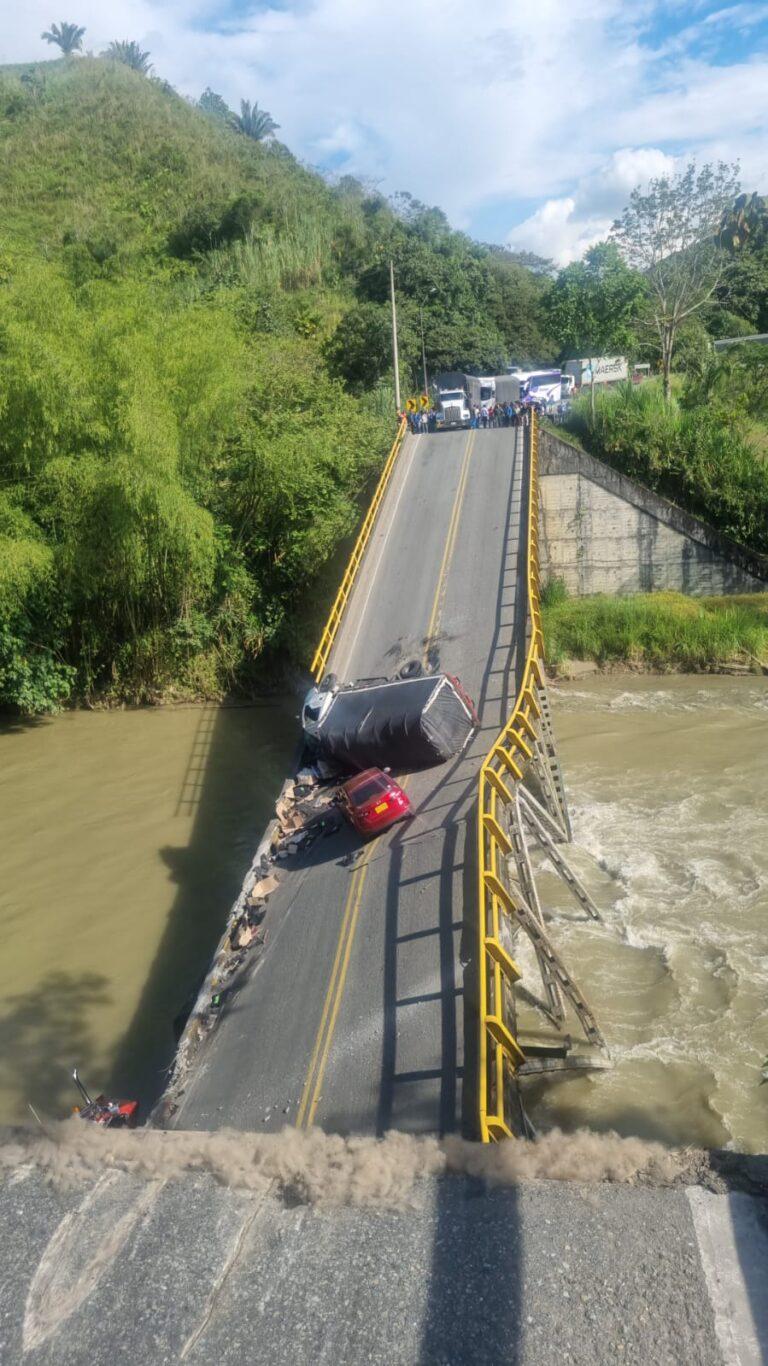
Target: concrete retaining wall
x=603, y=533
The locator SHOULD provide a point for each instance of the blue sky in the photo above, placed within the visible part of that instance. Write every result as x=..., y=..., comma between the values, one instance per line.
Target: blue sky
x=529, y=124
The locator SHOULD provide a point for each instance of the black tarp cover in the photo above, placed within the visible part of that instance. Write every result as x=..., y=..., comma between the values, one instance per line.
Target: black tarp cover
x=410, y=723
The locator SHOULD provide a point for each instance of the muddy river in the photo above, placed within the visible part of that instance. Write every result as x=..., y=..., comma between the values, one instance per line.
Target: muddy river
x=668, y=784
x=125, y=836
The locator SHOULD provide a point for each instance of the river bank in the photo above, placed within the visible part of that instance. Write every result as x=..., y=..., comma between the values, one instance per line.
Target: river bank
x=657, y=632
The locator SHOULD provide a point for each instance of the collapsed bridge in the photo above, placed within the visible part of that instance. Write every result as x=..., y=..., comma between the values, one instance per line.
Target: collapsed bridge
x=385, y=993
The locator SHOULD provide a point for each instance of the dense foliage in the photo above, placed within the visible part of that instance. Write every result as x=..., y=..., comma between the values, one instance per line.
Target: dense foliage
x=697, y=453
x=194, y=372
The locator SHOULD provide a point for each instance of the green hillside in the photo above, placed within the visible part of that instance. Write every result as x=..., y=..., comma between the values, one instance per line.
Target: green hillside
x=194, y=380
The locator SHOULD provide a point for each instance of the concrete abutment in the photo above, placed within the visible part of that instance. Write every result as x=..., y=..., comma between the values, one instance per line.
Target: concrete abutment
x=604, y=533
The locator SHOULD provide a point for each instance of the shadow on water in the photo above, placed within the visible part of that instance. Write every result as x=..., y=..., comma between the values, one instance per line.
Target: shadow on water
x=237, y=762
x=44, y=1030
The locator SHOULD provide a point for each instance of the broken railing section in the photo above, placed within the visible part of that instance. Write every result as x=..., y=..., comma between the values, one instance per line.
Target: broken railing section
x=522, y=802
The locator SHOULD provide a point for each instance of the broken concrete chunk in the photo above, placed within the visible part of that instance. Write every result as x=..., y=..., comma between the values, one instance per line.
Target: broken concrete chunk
x=264, y=888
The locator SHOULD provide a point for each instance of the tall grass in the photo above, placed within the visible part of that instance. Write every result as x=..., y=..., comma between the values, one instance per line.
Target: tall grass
x=694, y=457
x=291, y=258
x=658, y=630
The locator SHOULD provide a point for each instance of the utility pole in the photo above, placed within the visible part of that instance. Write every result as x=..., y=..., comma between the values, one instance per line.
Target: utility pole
x=395, y=358
x=423, y=350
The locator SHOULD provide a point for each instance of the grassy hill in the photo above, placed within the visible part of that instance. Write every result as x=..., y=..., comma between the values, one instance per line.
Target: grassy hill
x=194, y=380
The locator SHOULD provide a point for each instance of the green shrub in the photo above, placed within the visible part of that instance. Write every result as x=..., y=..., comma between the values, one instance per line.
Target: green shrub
x=697, y=457
x=659, y=630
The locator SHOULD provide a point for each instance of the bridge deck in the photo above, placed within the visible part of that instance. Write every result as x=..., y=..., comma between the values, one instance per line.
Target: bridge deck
x=354, y=1016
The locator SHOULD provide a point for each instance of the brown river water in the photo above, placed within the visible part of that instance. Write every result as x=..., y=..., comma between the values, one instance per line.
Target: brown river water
x=125, y=836
x=668, y=785
x=124, y=839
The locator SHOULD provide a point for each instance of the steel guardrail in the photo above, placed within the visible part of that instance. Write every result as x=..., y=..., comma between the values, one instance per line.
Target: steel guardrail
x=336, y=614
x=499, y=1051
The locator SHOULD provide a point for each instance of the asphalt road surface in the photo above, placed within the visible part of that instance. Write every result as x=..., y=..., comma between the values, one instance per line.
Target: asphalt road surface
x=121, y=1270
x=353, y=1018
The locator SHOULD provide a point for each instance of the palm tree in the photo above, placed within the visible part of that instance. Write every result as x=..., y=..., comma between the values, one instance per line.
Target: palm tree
x=69, y=37
x=254, y=122
x=130, y=54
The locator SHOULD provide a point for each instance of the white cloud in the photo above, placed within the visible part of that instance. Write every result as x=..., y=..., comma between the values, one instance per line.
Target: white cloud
x=465, y=108
x=564, y=228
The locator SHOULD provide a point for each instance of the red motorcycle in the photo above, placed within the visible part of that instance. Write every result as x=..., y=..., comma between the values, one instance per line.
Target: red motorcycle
x=112, y=1114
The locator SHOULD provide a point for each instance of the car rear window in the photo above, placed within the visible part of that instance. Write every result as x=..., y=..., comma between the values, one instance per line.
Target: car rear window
x=367, y=791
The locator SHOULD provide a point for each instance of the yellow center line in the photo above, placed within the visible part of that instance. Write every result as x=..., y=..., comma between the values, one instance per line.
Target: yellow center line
x=312, y=1090
x=450, y=541
x=330, y=992
x=318, y=1085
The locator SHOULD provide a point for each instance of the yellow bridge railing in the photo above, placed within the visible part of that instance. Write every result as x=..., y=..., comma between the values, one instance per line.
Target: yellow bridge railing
x=499, y=1051
x=323, y=651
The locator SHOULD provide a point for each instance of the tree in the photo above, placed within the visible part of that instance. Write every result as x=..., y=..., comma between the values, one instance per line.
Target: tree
x=214, y=106
x=745, y=222
x=254, y=122
x=69, y=37
x=592, y=305
x=359, y=351
x=130, y=54
x=672, y=233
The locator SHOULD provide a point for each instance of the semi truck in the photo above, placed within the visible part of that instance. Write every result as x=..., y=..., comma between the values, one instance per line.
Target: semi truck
x=543, y=386
x=409, y=722
x=453, y=408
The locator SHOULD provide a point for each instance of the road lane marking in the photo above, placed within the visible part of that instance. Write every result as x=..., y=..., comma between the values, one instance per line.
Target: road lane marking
x=330, y=993
x=318, y=1083
x=312, y=1089
x=311, y=1093
x=450, y=541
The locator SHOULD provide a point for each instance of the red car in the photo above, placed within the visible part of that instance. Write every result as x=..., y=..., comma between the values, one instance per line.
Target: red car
x=372, y=801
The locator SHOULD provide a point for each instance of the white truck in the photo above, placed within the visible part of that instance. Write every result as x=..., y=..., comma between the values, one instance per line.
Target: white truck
x=541, y=386
x=601, y=369
x=453, y=408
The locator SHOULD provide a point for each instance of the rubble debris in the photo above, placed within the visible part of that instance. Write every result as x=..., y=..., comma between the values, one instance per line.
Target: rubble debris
x=264, y=888
x=307, y=777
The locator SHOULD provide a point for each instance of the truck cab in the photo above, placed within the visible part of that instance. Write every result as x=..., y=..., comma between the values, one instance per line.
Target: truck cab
x=453, y=408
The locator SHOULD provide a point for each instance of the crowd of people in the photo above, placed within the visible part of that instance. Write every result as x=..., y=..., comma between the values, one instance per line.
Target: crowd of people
x=502, y=415
x=489, y=415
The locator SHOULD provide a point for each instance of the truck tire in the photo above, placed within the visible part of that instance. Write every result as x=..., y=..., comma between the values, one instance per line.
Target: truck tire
x=329, y=683
x=411, y=669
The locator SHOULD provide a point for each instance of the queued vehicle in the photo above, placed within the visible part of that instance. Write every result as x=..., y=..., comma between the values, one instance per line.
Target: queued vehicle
x=453, y=409
x=372, y=801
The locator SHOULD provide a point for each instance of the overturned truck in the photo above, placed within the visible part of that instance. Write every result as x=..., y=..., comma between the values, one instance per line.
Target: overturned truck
x=399, y=723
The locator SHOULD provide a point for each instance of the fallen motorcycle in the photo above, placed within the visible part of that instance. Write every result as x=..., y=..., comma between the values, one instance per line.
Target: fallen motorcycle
x=112, y=1114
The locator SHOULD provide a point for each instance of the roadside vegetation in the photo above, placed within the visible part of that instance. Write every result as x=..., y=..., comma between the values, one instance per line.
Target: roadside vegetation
x=195, y=370
x=686, y=264
x=662, y=631
x=697, y=450
x=195, y=376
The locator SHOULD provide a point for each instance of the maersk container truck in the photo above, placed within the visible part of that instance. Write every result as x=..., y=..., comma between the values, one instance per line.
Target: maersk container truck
x=601, y=369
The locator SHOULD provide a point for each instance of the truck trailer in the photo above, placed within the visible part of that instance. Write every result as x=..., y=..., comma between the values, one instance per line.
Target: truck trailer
x=600, y=369
x=404, y=723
